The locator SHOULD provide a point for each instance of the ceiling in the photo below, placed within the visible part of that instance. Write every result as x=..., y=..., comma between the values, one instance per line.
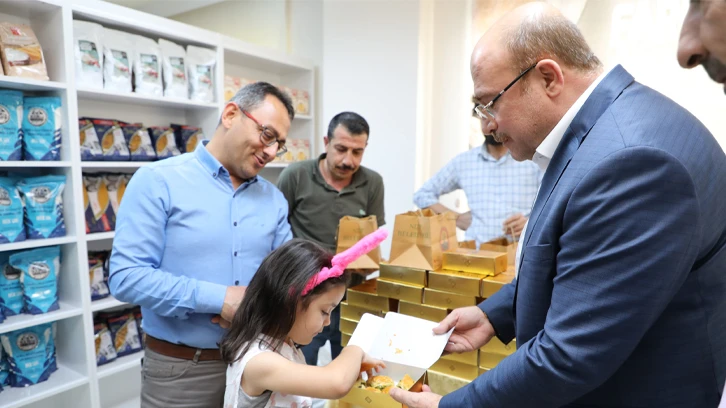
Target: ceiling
x=165, y=8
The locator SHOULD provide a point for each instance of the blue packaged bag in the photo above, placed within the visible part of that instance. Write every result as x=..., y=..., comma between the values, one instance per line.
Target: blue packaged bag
x=11, y=290
x=12, y=228
x=11, y=121
x=39, y=278
x=42, y=128
x=4, y=369
x=43, y=199
x=30, y=354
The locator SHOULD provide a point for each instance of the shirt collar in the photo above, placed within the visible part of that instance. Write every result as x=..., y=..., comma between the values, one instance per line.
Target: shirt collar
x=547, y=148
x=211, y=164
x=358, y=177
x=484, y=153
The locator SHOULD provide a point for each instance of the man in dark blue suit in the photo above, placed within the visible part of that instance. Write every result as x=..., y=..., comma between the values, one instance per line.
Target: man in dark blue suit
x=620, y=299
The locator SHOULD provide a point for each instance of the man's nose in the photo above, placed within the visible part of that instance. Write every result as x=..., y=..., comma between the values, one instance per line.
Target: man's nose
x=691, y=51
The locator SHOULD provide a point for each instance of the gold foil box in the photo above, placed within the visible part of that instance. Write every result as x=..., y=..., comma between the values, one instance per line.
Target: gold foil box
x=355, y=313
x=400, y=291
x=462, y=283
x=431, y=313
x=481, y=262
x=403, y=274
x=366, y=295
x=447, y=300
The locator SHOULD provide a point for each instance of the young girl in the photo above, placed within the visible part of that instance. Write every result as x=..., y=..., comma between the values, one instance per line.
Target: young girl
x=287, y=303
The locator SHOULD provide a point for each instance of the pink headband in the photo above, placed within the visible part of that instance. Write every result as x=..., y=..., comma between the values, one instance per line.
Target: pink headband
x=345, y=258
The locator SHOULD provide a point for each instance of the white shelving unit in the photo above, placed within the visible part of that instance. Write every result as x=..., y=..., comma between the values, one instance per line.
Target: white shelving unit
x=79, y=383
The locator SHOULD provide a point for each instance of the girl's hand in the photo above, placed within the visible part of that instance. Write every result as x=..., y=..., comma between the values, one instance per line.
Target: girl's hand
x=369, y=364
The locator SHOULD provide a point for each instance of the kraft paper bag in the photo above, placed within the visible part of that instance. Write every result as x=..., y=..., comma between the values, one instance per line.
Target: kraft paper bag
x=420, y=238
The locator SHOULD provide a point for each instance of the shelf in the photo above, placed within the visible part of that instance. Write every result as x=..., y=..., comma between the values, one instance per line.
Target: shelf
x=100, y=236
x=104, y=95
x=303, y=117
x=37, y=243
x=132, y=403
x=121, y=364
x=106, y=303
x=60, y=381
x=27, y=84
x=22, y=321
x=112, y=165
x=33, y=164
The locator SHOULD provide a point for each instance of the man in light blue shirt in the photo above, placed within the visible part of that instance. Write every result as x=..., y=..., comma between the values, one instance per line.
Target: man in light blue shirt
x=190, y=234
x=500, y=191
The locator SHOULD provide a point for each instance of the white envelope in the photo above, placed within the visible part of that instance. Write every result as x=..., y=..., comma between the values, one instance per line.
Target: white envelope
x=406, y=344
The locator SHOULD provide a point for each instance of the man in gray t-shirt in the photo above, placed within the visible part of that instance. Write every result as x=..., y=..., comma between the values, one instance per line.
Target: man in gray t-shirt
x=321, y=191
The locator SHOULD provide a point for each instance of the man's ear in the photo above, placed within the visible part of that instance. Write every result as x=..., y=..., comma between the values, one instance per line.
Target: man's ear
x=228, y=114
x=552, y=77
x=326, y=141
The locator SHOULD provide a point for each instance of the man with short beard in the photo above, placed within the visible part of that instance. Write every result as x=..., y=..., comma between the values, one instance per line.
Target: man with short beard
x=499, y=190
x=321, y=191
x=703, y=38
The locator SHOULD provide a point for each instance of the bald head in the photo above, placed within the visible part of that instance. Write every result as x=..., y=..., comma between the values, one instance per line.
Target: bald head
x=530, y=33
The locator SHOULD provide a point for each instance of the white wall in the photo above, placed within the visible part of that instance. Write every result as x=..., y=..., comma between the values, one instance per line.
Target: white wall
x=370, y=54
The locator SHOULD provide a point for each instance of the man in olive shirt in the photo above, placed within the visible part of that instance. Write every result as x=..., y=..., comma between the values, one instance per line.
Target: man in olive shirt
x=321, y=191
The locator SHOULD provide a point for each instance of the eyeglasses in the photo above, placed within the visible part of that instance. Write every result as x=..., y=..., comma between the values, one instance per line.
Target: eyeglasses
x=267, y=136
x=485, y=111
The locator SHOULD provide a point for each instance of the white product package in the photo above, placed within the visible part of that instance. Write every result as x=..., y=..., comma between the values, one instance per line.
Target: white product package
x=88, y=54
x=201, y=64
x=118, y=59
x=147, y=66
x=174, y=69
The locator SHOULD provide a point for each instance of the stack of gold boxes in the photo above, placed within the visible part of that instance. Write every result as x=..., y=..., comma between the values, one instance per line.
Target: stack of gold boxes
x=466, y=278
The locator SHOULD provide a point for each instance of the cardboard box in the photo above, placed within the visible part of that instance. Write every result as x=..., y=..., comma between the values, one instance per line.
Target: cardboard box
x=366, y=295
x=481, y=262
x=456, y=369
x=502, y=244
x=447, y=300
x=403, y=274
x=402, y=291
x=469, y=358
x=463, y=283
x=354, y=313
x=344, y=339
x=406, y=344
x=443, y=384
x=430, y=313
x=491, y=284
x=347, y=326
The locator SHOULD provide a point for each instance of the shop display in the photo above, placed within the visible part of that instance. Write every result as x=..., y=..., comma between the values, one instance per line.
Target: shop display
x=147, y=66
x=138, y=141
x=113, y=142
x=21, y=53
x=164, y=142
x=124, y=330
x=105, y=350
x=187, y=137
x=95, y=201
x=201, y=64
x=98, y=275
x=42, y=120
x=90, y=145
x=12, y=226
x=39, y=277
x=43, y=198
x=30, y=353
x=11, y=120
x=174, y=69
x=88, y=53
x=232, y=85
x=117, y=60
x=11, y=290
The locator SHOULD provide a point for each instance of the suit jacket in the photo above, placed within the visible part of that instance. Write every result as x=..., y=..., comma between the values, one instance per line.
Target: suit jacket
x=621, y=295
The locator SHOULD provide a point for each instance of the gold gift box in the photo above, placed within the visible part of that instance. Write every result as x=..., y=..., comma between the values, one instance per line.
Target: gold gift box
x=431, y=313
x=401, y=291
x=463, y=283
x=347, y=326
x=359, y=397
x=456, y=369
x=502, y=245
x=366, y=295
x=403, y=274
x=496, y=346
x=354, y=313
x=490, y=360
x=469, y=358
x=344, y=339
x=491, y=284
x=443, y=384
x=447, y=300
x=483, y=370
x=470, y=260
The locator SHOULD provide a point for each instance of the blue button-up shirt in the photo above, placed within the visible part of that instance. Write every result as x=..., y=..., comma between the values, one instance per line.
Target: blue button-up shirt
x=494, y=189
x=183, y=234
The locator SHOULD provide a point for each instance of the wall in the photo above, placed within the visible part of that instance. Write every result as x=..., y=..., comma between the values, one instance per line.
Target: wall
x=370, y=54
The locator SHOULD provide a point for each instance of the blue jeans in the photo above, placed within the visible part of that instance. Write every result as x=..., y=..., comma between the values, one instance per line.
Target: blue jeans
x=331, y=333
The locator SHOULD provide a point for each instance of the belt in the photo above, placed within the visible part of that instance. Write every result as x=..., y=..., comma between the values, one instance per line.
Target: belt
x=180, y=351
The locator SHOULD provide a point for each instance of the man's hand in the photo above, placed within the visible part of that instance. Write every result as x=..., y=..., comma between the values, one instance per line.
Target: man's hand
x=514, y=225
x=232, y=299
x=471, y=329
x=463, y=221
x=424, y=399
x=217, y=319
